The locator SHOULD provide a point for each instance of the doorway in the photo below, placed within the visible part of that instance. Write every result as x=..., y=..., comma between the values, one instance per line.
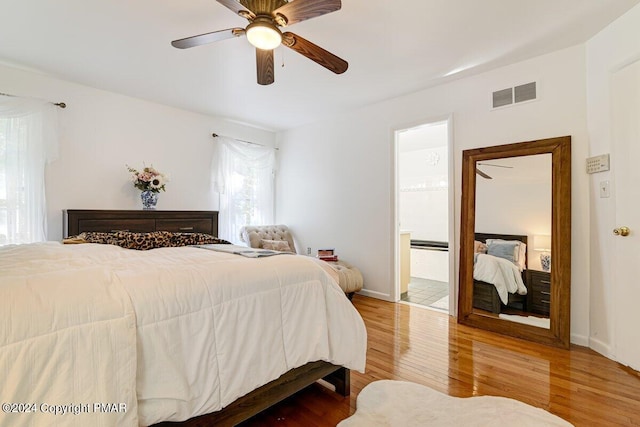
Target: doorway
x=423, y=213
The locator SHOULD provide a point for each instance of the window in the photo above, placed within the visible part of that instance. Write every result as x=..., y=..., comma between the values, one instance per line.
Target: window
x=245, y=177
x=27, y=142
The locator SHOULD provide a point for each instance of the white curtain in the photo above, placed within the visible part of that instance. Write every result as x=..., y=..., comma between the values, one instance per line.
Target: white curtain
x=28, y=141
x=244, y=178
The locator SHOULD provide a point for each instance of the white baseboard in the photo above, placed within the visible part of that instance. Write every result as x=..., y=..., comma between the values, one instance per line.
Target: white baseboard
x=601, y=347
x=375, y=294
x=580, y=340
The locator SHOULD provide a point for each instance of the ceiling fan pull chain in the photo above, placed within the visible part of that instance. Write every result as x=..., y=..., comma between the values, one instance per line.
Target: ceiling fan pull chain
x=282, y=56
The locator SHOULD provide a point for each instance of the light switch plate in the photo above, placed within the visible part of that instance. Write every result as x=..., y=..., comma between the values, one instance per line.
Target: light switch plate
x=598, y=163
x=604, y=190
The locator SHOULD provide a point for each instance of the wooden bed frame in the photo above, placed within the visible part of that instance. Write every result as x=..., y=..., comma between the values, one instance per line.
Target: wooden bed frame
x=485, y=295
x=77, y=221
x=271, y=393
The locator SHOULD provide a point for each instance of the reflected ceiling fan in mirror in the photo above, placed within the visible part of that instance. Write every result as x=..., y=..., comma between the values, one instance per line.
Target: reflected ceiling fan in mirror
x=484, y=175
x=266, y=17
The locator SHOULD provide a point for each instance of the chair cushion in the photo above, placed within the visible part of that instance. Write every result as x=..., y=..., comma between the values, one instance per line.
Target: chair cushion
x=349, y=277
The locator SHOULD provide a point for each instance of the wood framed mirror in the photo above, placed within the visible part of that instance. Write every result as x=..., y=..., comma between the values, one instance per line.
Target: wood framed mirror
x=525, y=191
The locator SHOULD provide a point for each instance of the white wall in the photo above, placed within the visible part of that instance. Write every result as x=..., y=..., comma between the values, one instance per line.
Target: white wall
x=335, y=183
x=424, y=199
x=615, y=46
x=101, y=131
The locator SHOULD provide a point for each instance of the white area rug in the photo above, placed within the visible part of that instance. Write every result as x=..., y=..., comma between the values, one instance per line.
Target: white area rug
x=404, y=404
x=442, y=303
x=528, y=320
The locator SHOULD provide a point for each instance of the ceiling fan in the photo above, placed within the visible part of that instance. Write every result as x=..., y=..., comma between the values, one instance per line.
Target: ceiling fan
x=484, y=175
x=266, y=17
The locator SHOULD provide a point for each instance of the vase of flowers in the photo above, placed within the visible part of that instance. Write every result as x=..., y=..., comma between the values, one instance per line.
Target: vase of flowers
x=151, y=182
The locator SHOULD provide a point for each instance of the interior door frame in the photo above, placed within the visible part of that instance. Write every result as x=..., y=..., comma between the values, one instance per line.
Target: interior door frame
x=453, y=247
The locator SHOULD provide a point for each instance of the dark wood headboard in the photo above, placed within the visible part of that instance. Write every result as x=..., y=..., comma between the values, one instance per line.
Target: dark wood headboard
x=76, y=221
x=482, y=237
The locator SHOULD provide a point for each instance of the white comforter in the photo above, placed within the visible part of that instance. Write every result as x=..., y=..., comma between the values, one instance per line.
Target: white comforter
x=502, y=273
x=165, y=334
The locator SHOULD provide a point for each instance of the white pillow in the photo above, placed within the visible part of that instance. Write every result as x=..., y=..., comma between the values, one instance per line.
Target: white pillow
x=522, y=258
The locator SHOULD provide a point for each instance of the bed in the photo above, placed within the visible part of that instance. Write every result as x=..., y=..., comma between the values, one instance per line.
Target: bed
x=106, y=336
x=490, y=295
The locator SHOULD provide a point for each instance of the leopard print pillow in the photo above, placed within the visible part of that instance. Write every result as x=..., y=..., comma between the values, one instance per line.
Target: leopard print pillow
x=145, y=241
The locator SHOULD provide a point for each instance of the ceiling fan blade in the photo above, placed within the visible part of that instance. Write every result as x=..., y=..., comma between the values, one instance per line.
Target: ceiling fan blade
x=482, y=174
x=297, y=11
x=237, y=8
x=496, y=166
x=314, y=52
x=207, y=38
x=264, y=66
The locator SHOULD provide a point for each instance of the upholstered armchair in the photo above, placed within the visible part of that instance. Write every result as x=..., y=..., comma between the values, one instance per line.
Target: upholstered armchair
x=279, y=238
x=267, y=237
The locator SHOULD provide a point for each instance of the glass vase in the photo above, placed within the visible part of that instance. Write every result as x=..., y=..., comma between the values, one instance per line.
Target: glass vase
x=149, y=199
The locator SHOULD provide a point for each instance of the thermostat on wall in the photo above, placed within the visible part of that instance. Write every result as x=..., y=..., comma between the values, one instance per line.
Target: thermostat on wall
x=598, y=163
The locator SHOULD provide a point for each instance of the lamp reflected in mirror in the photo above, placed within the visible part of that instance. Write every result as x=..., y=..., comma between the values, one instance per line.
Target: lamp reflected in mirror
x=542, y=243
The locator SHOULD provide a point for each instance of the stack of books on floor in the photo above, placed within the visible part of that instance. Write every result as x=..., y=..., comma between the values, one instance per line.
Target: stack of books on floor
x=327, y=255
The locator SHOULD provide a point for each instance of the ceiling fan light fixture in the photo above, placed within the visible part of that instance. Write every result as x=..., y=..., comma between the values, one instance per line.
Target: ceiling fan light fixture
x=264, y=36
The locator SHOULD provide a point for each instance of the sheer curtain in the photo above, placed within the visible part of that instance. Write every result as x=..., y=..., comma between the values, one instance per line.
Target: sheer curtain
x=28, y=141
x=244, y=178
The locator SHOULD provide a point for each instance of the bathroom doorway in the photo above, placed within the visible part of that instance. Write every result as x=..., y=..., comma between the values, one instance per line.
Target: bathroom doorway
x=423, y=214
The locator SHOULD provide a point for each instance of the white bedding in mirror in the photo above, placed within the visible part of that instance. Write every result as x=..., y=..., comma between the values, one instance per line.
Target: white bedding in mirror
x=501, y=273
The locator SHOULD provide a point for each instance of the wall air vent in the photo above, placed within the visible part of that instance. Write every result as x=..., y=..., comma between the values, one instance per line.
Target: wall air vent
x=525, y=92
x=502, y=97
x=514, y=95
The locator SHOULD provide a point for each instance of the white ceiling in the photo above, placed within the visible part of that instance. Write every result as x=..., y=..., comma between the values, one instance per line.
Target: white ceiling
x=393, y=48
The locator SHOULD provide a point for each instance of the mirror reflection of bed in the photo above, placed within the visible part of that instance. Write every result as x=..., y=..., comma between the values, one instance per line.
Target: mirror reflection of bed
x=513, y=203
x=508, y=290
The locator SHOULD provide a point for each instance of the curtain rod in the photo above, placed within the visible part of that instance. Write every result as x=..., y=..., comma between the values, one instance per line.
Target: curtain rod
x=215, y=135
x=57, y=104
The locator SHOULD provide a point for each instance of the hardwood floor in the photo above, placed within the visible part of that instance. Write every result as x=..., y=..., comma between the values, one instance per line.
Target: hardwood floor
x=427, y=347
